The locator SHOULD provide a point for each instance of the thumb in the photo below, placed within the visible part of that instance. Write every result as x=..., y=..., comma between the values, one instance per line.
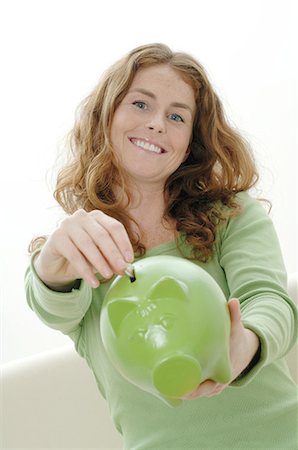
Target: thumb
x=235, y=313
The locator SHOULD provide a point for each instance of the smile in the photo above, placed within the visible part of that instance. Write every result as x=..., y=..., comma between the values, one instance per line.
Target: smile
x=147, y=146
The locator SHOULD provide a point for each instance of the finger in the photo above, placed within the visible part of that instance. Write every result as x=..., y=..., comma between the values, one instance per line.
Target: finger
x=84, y=242
x=117, y=232
x=203, y=390
x=80, y=265
x=206, y=388
x=234, y=309
x=103, y=248
x=217, y=390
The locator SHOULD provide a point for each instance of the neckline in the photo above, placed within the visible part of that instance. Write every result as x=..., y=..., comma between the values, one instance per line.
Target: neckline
x=157, y=249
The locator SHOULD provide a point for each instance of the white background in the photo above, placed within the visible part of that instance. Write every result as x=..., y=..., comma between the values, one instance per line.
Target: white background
x=53, y=54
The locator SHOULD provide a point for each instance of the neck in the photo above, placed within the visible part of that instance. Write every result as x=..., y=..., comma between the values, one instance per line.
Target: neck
x=143, y=196
x=146, y=207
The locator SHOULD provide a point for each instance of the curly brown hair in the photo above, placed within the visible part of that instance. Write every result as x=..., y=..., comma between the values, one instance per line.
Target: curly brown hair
x=199, y=193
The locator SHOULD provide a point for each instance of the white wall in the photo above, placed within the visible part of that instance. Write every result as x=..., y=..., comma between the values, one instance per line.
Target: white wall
x=54, y=52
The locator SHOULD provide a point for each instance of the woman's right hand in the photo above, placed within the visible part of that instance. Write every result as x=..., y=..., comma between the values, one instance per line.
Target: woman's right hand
x=83, y=244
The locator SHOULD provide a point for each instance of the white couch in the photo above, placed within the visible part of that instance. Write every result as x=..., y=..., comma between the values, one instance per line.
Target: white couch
x=50, y=401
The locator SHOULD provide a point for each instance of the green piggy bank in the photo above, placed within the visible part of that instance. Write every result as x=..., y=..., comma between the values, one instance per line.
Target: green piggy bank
x=168, y=330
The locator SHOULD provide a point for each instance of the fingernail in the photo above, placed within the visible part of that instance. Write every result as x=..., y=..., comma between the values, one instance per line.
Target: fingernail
x=130, y=271
x=106, y=273
x=94, y=283
x=129, y=257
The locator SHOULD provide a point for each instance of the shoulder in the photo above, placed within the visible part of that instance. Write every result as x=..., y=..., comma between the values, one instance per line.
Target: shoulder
x=245, y=199
x=249, y=207
x=251, y=216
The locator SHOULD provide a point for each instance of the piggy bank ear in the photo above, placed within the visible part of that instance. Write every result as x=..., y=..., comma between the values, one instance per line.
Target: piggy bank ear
x=117, y=311
x=168, y=287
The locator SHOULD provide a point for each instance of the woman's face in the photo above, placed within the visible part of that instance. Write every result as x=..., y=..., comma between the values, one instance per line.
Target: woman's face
x=152, y=126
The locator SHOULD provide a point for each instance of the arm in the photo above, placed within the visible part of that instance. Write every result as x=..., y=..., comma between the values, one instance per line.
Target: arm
x=263, y=317
x=58, y=310
x=59, y=280
x=255, y=272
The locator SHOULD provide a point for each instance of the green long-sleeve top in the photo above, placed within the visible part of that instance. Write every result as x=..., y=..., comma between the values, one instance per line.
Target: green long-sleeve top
x=258, y=410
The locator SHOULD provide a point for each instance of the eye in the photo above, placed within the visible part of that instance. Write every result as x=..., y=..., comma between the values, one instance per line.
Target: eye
x=167, y=321
x=139, y=104
x=138, y=335
x=176, y=117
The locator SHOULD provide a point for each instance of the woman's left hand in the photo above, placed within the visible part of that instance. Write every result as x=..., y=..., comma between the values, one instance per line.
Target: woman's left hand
x=244, y=344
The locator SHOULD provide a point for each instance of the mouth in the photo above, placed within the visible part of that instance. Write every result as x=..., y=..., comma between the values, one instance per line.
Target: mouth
x=148, y=146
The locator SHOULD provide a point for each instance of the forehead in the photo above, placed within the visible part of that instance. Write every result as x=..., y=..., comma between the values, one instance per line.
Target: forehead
x=166, y=80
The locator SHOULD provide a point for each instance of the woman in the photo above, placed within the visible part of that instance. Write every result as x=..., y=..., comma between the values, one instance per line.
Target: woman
x=157, y=169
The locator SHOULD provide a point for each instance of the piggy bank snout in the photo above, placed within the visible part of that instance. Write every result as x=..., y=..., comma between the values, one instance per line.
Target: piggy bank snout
x=177, y=375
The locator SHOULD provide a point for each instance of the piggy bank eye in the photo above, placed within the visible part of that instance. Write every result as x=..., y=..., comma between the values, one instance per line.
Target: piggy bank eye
x=167, y=321
x=138, y=335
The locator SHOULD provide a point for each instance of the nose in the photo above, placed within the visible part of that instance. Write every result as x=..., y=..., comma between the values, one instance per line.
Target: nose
x=156, y=123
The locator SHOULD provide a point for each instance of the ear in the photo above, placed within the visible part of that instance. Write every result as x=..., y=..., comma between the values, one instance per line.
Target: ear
x=117, y=311
x=168, y=287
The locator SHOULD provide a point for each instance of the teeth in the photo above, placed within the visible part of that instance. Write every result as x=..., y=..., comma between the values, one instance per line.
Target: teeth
x=147, y=146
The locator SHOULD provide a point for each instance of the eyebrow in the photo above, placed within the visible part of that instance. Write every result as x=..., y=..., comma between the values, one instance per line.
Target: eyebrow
x=150, y=94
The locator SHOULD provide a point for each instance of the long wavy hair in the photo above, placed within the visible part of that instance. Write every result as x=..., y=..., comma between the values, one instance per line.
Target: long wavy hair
x=200, y=193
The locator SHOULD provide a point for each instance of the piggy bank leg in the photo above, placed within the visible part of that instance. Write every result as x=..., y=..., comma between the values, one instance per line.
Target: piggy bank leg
x=177, y=376
x=222, y=372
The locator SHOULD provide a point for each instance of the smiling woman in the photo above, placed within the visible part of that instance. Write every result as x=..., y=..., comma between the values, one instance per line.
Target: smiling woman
x=152, y=117
x=156, y=169
x=218, y=162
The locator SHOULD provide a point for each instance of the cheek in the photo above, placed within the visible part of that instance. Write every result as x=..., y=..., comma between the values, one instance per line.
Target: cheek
x=117, y=131
x=123, y=122
x=182, y=144
x=115, y=126
x=188, y=136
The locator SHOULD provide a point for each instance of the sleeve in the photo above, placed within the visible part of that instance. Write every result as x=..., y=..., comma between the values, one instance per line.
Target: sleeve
x=60, y=311
x=251, y=257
